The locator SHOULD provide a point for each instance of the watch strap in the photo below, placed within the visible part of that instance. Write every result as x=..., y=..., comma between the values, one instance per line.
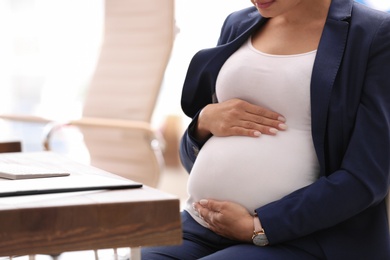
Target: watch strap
x=256, y=224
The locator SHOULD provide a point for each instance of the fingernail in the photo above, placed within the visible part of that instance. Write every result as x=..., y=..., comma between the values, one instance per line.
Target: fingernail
x=193, y=206
x=282, y=126
x=273, y=130
x=257, y=133
x=203, y=202
x=281, y=118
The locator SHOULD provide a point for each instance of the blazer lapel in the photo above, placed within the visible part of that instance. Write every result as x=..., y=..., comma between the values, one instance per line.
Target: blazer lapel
x=327, y=63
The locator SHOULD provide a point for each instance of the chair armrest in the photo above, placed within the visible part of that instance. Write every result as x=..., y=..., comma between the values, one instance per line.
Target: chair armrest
x=25, y=118
x=52, y=125
x=85, y=121
x=113, y=123
x=106, y=123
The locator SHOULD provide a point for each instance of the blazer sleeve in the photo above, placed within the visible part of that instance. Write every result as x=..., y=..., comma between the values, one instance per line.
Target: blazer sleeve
x=189, y=146
x=362, y=181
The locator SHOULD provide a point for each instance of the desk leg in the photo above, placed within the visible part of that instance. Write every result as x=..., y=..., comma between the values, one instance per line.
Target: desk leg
x=135, y=253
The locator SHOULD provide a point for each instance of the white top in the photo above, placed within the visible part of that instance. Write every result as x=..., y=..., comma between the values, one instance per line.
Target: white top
x=254, y=171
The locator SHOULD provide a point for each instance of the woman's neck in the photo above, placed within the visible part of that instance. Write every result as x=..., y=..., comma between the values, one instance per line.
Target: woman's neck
x=306, y=11
x=296, y=31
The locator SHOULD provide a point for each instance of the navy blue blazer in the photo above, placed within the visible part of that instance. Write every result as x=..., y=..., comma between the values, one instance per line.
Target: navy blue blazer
x=344, y=211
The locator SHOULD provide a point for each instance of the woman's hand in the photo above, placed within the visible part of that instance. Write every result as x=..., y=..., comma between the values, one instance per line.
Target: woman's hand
x=238, y=117
x=227, y=219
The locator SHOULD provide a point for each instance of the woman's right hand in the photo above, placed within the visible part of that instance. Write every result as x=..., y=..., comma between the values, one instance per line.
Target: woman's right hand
x=238, y=117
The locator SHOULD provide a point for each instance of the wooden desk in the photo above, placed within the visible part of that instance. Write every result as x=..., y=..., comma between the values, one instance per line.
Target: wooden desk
x=54, y=223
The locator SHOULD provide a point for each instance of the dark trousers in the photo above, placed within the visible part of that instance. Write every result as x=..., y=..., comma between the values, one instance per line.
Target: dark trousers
x=202, y=243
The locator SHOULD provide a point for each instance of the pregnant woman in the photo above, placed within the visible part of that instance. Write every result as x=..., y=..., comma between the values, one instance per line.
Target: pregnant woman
x=289, y=146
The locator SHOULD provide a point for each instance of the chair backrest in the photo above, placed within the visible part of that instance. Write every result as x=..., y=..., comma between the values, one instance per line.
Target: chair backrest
x=137, y=44
x=136, y=48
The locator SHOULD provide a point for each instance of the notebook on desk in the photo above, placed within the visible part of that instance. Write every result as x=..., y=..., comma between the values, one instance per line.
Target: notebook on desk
x=14, y=171
x=69, y=176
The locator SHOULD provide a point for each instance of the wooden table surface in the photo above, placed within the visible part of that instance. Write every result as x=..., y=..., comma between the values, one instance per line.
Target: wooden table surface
x=54, y=223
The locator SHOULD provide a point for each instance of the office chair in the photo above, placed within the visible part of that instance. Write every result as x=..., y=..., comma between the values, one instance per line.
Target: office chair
x=121, y=97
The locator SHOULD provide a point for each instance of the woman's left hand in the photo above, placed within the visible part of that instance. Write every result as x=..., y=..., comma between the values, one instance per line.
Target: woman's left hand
x=227, y=219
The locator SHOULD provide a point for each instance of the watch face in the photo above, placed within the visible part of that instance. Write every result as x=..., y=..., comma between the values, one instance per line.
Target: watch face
x=260, y=240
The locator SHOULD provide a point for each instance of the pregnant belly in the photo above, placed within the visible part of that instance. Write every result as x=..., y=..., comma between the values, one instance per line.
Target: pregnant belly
x=252, y=171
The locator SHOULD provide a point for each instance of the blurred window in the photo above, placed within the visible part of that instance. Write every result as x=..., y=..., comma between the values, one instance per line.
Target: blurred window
x=49, y=49
x=383, y=5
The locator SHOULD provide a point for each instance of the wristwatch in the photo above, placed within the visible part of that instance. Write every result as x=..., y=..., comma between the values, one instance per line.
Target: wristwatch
x=259, y=238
